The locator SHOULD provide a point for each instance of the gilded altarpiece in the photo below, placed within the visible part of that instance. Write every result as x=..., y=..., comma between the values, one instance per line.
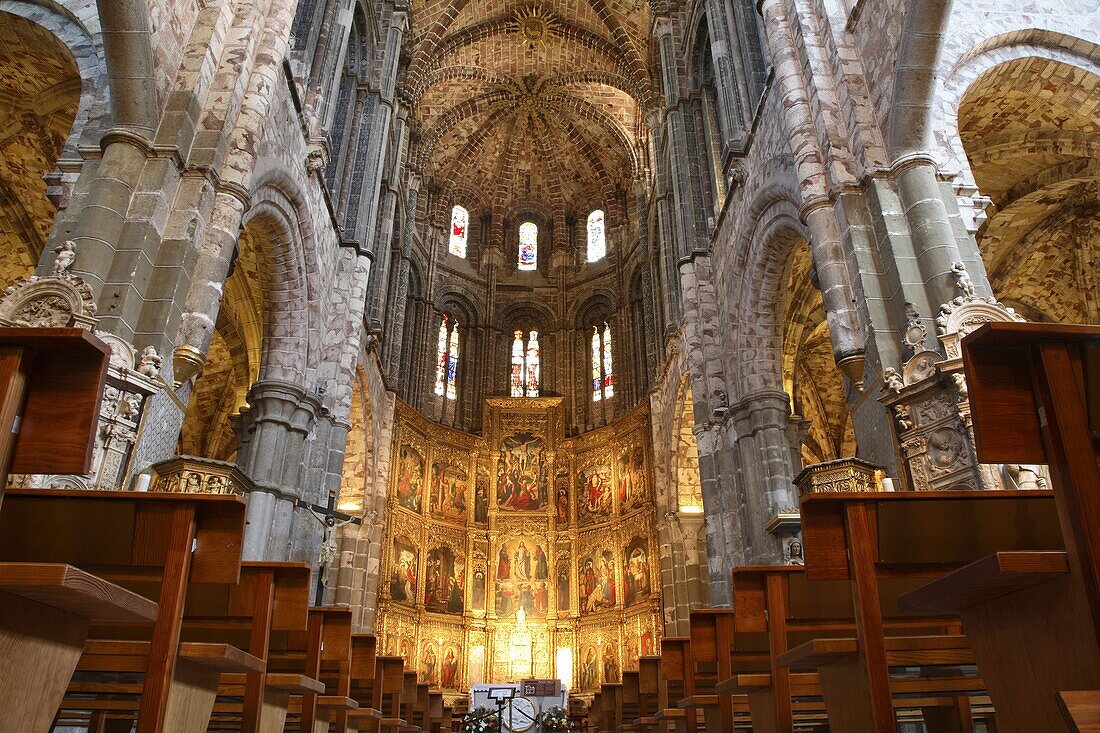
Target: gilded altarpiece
x=520, y=553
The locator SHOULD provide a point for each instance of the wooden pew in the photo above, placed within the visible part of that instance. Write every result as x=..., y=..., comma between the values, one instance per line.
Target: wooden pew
x=886, y=544
x=270, y=599
x=649, y=672
x=631, y=691
x=124, y=537
x=611, y=710
x=1034, y=618
x=45, y=613
x=673, y=685
x=714, y=655
x=779, y=602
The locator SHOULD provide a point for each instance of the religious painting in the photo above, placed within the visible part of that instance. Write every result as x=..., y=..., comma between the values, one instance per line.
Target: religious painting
x=447, y=497
x=404, y=650
x=648, y=648
x=594, y=495
x=523, y=574
x=522, y=473
x=444, y=584
x=596, y=582
x=632, y=480
x=562, y=586
x=481, y=499
x=429, y=665
x=478, y=595
x=403, y=576
x=410, y=478
x=589, y=673
x=561, y=506
x=610, y=666
x=636, y=575
x=448, y=674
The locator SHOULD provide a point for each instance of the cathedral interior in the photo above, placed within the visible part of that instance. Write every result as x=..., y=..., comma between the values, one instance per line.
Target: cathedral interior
x=524, y=322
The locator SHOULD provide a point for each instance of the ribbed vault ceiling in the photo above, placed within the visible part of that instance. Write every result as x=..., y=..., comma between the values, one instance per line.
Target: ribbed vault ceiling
x=518, y=103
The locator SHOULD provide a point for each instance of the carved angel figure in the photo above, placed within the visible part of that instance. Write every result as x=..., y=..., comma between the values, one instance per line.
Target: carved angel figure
x=150, y=362
x=891, y=379
x=66, y=255
x=962, y=279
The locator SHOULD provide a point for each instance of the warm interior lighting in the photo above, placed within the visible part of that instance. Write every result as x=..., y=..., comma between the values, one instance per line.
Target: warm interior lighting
x=691, y=509
x=564, y=664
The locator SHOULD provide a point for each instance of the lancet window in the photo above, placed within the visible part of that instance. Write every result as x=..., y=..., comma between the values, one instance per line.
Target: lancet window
x=528, y=246
x=447, y=353
x=526, y=364
x=597, y=238
x=460, y=223
x=603, y=373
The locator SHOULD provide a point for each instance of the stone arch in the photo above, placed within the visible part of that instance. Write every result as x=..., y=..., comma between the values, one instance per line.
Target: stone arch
x=42, y=82
x=983, y=57
x=524, y=316
x=359, y=452
x=287, y=271
x=764, y=268
x=1025, y=126
x=685, y=457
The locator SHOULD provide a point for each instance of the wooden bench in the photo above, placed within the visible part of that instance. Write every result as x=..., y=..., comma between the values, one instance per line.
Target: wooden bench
x=886, y=544
x=167, y=540
x=1033, y=618
x=673, y=685
x=45, y=613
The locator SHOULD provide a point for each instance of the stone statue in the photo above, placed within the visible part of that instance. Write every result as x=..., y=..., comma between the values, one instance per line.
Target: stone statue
x=66, y=255
x=1025, y=478
x=891, y=379
x=150, y=362
x=962, y=279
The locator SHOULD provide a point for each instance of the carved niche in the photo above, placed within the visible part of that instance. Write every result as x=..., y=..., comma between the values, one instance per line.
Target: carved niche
x=929, y=402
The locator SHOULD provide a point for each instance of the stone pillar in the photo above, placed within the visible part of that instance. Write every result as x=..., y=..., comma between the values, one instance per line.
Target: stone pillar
x=365, y=225
x=392, y=350
x=278, y=423
x=761, y=426
x=731, y=114
x=826, y=245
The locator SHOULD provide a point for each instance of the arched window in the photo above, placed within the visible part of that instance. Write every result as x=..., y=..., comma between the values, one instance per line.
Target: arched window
x=446, y=363
x=526, y=365
x=603, y=374
x=597, y=239
x=460, y=220
x=528, y=246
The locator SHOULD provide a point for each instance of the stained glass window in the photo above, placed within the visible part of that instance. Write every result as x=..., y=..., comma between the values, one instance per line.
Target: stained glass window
x=460, y=220
x=517, y=365
x=446, y=364
x=528, y=246
x=441, y=357
x=608, y=372
x=452, y=363
x=597, y=241
x=533, y=366
x=603, y=375
x=597, y=373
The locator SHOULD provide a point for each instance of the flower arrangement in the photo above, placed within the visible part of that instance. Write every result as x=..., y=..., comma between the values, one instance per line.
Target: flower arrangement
x=481, y=720
x=556, y=719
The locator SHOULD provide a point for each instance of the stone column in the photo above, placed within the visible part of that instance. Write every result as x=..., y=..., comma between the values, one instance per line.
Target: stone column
x=826, y=244
x=666, y=244
x=731, y=114
x=279, y=421
x=760, y=421
x=378, y=141
x=392, y=350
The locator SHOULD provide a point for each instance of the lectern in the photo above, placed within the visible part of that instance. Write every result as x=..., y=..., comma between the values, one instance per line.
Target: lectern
x=51, y=385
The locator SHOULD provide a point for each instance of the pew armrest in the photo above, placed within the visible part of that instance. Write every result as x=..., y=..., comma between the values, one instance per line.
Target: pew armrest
x=294, y=683
x=222, y=657
x=946, y=650
x=75, y=591
x=1081, y=709
x=996, y=575
x=337, y=702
